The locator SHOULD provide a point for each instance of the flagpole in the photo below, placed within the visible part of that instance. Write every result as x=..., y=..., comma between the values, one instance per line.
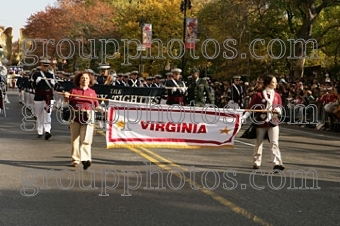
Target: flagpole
x=103, y=99
x=86, y=97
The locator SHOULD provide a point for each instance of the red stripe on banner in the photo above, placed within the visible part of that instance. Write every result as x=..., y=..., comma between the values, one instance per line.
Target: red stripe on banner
x=109, y=130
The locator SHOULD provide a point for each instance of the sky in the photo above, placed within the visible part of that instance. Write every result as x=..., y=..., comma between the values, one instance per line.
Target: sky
x=14, y=13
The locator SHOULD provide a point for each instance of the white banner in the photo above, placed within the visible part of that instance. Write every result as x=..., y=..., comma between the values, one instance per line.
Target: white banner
x=170, y=126
x=147, y=35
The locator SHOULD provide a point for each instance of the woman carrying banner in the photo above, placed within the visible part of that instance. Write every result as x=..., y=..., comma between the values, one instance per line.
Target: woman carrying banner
x=82, y=125
x=266, y=122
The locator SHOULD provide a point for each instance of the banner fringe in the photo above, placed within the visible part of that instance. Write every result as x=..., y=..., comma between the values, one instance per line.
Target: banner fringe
x=174, y=146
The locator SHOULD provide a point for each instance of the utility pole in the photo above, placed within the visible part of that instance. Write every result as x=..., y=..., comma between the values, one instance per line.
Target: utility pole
x=185, y=4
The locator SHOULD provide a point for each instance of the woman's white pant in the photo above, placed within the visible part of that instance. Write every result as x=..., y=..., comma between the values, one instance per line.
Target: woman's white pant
x=273, y=134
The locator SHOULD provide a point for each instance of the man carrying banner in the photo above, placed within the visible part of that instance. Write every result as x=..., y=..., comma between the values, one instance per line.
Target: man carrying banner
x=44, y=83
x=176, y=89
x=197, y=89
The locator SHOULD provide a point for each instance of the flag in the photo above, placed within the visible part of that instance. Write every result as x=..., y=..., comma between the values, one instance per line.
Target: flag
x=191, y=33
x=170, y=126
x=147, y=35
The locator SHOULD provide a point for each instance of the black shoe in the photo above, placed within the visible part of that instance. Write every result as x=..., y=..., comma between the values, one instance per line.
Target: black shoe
x=39, y=136
x=256, y=166
x=278, y=168
x=86, y=164
x=47, y=135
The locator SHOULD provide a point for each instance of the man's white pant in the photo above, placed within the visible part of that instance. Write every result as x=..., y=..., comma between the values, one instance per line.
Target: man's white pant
x=43, y=117
x=21, y=96
x=31, y=102
x=81, y=140
x=26, y=98
x=273, y=134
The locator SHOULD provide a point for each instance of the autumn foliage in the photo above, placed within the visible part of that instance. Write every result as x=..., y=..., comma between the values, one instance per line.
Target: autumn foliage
x=242, y=21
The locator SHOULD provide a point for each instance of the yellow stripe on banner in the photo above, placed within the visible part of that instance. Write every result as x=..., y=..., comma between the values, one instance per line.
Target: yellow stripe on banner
x=169, y=146
x=215, y=196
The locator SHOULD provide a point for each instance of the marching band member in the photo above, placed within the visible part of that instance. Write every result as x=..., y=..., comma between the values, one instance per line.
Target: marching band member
x=103, y=74
x=133, y=81
x=119, y=79
x=111, y=79
x=236, y=93
x=125, y=80
x=157, y=81
x=43, y=82
x=197, y=89
x=148, y=83
x=176, y=89
x=20, y=84
x=267, y=122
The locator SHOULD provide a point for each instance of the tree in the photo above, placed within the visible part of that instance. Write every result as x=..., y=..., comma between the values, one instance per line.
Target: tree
x=72, y=20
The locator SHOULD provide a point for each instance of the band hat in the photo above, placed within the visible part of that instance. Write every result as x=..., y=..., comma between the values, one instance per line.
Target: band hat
x=126, y=75
x=169, y=74
x=141, y=79
x=282, y=80
x=158, y=76
x=45, y=62
x=149, y=78
x=236, y=77
x=134, y=72
x=104, y=67
x=120, y=75
x=176, y=70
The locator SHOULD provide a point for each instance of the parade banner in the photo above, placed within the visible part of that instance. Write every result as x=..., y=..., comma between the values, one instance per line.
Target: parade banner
x=191, y=33
x=122, y=93
x=170, y=126
x=147, y=35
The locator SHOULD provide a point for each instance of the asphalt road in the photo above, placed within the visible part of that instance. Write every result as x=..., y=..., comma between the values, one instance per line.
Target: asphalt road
x=187, y=187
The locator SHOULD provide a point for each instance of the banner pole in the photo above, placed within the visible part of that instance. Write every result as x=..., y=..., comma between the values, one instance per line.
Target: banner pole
x=86, y=97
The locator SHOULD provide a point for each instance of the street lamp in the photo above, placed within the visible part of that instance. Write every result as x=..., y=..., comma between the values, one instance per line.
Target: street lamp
x=185, y=4
x=142, y=22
